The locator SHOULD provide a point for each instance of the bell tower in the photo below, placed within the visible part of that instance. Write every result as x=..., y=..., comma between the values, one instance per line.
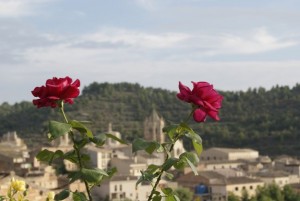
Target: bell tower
x=153, y=126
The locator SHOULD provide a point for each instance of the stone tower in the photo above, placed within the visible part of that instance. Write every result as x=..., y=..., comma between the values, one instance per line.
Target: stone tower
x=153, y=126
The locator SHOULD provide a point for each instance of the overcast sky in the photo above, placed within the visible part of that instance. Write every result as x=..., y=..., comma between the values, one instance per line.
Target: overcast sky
x=233, y=44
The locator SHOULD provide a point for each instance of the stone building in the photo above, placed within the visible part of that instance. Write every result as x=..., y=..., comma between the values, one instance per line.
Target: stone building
x=228, y=154
x=14, y=154
x=153, y=126
x=210, y=185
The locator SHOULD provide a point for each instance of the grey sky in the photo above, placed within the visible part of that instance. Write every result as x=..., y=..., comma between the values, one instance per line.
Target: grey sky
x=232, y=44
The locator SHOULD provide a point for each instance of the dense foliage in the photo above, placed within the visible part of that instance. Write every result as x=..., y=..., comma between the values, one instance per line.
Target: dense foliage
x=267, y=120
x=269, y=193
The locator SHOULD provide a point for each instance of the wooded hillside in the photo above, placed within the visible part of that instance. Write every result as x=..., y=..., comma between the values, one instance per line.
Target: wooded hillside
x=267, y=120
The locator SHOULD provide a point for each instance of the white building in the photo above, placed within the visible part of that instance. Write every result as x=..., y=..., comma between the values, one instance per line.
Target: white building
x=228, y=154
x=274, y=177
x=118, y=188
x=100, y=156
x=14, y=154
x=210, y=185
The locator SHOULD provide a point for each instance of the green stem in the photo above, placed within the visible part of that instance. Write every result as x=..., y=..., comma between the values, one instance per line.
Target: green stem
x=191, y=114
x=61, y=107
x=80, y=165
x=160, y=174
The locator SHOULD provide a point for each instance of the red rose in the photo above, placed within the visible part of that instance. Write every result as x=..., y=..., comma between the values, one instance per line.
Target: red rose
x=206, y=100
x=56, y=89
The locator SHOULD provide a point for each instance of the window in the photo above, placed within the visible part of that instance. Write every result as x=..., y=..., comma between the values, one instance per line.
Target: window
x=251, y=187
x=236, y=188
x=178, y=151
x=116, y=187
x=113, y=195
x=120, y=187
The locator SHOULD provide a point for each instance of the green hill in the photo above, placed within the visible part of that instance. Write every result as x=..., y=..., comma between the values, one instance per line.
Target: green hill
x=267, y=120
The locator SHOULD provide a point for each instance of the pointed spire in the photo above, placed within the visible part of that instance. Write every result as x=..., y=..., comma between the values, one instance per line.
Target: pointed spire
x=109, y=127
x=154, y=115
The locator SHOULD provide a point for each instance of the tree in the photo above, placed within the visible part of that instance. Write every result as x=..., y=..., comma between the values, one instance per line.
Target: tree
x=245, y=196
x=184, y=194
x=289, y=194
x=233, y=197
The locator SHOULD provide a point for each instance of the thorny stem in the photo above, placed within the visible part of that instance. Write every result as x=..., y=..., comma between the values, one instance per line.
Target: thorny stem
x=80, y=165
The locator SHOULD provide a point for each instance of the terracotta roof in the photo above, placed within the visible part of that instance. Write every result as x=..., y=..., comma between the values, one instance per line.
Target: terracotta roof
x=272, y=174
x=230, y=150
x=241, y=180
x=123, y=178
x=191, y=177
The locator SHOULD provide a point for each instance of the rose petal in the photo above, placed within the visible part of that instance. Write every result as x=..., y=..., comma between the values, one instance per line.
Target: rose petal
x=199, y=115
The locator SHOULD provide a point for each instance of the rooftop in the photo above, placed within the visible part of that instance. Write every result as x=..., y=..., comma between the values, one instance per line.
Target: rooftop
x=241, y=180
x=230, y=150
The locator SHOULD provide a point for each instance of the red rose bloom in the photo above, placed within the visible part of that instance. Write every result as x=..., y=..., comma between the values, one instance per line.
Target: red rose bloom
x=206, y=100
x=56, y=89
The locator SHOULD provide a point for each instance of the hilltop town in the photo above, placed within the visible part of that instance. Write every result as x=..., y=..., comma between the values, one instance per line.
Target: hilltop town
x=221, y=171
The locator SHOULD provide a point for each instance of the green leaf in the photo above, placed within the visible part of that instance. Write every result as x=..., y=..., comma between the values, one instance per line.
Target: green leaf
x=191, y=159
x=48, y=156
x=196, y=140
x=191, y=156
x=71, y=156
x=167, y=191
x=57, y=129
x=152, y=168
x=186, y=129
x=198, y=147
x=85, y=158
x=111, y=172
x=169, y=163
x=176, y=198
x=93, y=175
x=81, y=128
x=81, y=143
x=79, y=196
x=73, y=176
x=171, y=198
x=152, y=146
x=192, y=166
x=62, y=195
x=115, y=138
x=149, y=147
x=169, y=175
x=99, y=140
x=157, y=198
x=171, y=131
x=146, y=177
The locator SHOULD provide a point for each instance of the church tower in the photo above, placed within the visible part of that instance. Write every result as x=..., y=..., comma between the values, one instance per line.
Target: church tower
x=153, y=126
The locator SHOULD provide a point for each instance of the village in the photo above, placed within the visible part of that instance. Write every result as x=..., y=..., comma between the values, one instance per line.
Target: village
x=221, y=170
